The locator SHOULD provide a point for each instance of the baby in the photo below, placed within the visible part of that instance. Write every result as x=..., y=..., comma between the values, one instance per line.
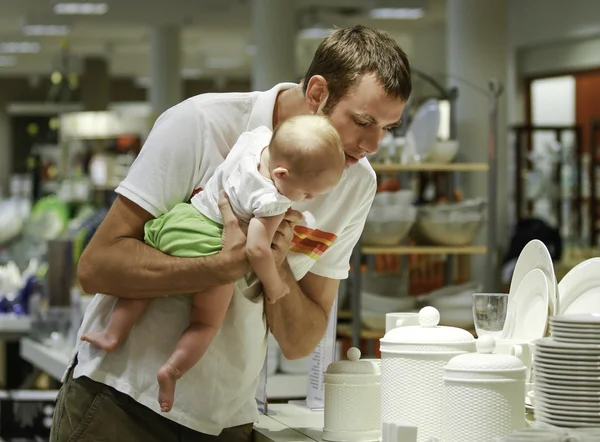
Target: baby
x=262, y=175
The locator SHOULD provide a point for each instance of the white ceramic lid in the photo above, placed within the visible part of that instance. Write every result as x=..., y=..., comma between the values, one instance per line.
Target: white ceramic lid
x=484, y=359
x=354, y=365
x=428, y=332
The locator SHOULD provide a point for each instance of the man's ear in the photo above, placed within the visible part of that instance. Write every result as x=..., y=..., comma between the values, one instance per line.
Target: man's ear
x=316, y=93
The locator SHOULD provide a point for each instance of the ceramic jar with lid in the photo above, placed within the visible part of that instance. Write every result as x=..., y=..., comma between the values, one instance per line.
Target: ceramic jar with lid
x=352, y=400
x=485, y=392
x=412, y=372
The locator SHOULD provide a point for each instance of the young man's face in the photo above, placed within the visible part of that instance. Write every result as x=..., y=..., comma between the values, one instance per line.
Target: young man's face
x=364, y=116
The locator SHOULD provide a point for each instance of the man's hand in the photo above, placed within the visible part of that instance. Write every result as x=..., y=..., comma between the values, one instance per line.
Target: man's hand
x=284, y=235
x=233, y=239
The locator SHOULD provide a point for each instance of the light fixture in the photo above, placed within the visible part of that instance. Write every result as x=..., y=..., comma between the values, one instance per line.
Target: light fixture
x=74, y=7
x=22, y=47
x=222, y=62
x=45, y=24
x=8, y=61
x=49, y=30
x=316, y=32
x=191, y=73
x=397, y=13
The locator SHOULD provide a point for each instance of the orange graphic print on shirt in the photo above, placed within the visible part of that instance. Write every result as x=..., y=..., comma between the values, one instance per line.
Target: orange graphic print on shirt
x=311, y=242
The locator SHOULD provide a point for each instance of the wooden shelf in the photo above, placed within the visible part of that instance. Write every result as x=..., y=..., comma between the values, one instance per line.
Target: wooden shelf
x=430, y=167
x=423, y=250
x=345, y=331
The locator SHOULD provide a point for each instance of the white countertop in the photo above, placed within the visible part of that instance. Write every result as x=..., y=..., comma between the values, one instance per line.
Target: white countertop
x=289, y=423
x=55, y=361
x=14, y=325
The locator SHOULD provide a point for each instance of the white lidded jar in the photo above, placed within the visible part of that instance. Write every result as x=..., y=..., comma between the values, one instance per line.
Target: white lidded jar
x=352, y=400
x=412, y=370
x=485, y=392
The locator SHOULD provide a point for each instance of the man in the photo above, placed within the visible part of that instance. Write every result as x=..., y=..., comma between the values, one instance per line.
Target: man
x=360, y=78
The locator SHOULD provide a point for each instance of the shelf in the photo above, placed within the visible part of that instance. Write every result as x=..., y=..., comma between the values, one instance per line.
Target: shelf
x=423, y=250
x=345, y=331
x=52, y=361
x=430, y=167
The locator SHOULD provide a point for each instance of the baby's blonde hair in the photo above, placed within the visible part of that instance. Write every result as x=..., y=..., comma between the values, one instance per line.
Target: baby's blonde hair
x=308, y=145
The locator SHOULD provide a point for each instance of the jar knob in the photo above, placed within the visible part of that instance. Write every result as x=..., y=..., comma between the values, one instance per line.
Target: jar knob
x=353, y=354
x=429, y=317
x=486, y=344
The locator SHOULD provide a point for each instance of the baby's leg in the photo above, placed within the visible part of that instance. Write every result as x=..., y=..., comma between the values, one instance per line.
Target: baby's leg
x=208, y=311
x=122, y=319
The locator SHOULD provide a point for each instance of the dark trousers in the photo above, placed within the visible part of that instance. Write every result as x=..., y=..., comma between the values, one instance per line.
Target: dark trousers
x=89, y=411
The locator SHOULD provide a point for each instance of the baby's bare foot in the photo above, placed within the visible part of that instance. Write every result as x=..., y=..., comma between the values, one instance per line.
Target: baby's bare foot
x=167, y=378
x=101, y=340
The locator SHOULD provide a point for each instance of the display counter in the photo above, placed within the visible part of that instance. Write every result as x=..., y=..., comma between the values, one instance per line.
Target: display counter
x=54, y=362
x=289, y=423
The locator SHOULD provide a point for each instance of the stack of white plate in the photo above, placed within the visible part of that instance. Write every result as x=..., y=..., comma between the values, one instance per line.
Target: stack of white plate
x=567, y=372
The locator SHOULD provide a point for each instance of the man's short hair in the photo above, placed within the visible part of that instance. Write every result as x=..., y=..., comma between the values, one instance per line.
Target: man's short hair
x=349, y=53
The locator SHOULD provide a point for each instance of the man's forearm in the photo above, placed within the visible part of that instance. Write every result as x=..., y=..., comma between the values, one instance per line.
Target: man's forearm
x=111, y=270
x=296, y=321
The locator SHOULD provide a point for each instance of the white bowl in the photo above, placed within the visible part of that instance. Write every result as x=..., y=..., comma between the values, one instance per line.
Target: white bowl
x=396, y=198
x=387, y=226
x=373, y=320
x=386, y=304
x=385, y=284
x=443, y=151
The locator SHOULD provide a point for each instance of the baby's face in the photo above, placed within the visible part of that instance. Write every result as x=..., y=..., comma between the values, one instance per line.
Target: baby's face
x=298, y=188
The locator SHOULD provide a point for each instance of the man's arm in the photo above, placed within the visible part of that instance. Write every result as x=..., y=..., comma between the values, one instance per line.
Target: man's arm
x=118, y=262
x=299, y=320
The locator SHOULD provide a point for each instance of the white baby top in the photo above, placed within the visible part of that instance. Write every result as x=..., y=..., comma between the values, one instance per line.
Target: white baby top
x=250, y=193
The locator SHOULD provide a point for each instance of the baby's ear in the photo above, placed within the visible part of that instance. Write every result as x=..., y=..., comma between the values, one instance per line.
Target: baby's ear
x=281, y=172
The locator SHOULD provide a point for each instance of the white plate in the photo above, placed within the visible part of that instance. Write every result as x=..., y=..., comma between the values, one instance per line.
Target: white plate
x=577, y=367
x=572, y=409
x=567, y=356
x=535, y=255
x=588, y=319
x=571, y=383
x=567, y=362
x=579, y=290
x=560, y=417
x=585, y=332
x=569, y=374
x=528, y=307
x=566, y=390
x=423, y=129
x=549, y=386
x=550, y=344
x=574, y=402
x=577, y=340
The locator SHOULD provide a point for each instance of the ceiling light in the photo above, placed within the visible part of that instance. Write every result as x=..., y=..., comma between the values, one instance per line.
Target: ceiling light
x=191, y=73
x=7, y=61
x=46, y=29
x=80, y=8
x=223, y=62
x=24, y=47
x=315, y=33
x=397, y=13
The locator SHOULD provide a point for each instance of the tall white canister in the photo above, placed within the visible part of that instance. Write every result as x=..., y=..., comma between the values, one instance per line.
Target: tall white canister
x=412, y=372
x=485, y=392
x=352, y=400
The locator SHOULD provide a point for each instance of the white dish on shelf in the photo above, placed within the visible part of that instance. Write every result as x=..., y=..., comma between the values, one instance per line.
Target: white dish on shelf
x=579, y=290
x=528, y=308
x=422, y=131
x=535, y=255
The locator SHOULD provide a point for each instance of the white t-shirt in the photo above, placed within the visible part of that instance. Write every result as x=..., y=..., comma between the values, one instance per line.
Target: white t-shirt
x=250, y=193
x=186, y=145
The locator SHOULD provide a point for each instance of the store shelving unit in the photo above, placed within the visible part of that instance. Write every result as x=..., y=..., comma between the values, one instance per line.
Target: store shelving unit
x=490, y=168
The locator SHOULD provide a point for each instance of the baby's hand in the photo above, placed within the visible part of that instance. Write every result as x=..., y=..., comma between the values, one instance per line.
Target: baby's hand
x=276, y=292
